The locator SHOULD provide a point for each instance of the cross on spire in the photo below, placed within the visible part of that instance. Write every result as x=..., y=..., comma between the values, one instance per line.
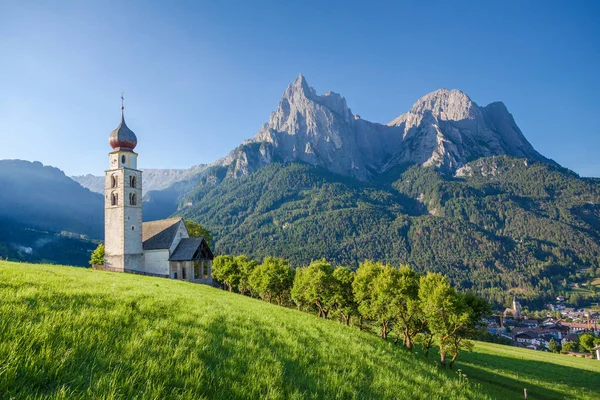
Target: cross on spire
x=122, y=101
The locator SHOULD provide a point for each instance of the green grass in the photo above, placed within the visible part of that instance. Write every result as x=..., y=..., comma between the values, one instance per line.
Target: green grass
x=504, y=371
x=76, y=333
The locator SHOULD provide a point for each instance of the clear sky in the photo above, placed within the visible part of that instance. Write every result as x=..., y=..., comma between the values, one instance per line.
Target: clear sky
x=201, y=76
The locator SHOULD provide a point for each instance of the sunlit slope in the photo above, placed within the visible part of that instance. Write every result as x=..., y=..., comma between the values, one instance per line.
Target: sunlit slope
x=504, y=372
x=75, y=333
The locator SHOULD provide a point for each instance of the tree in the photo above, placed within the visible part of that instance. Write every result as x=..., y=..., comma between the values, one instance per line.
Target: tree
x=272, y=279
x=586, y=341
x=226, y=270
x=362, y=287
x=245, y=268
x=314, y=285
x=476, y=308
x=343, y=298
x=553, y=346
x=196, y=230
x=569, y=347
x=444, y=310
x=407, y=309
x=98, y=255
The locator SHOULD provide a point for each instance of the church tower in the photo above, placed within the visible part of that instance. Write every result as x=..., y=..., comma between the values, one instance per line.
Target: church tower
x=123, y=203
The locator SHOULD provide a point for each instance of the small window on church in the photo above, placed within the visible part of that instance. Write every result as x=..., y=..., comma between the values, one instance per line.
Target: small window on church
x=132, y=181
x=113, y=181
x=122, y=159
x=114, y=199
x=133, y=228
x=132, y=199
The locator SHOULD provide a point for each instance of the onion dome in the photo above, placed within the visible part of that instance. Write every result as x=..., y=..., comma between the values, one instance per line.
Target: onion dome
x=122, y=138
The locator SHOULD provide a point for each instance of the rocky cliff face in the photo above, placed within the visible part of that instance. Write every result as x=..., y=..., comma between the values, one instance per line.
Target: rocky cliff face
x=445, y=129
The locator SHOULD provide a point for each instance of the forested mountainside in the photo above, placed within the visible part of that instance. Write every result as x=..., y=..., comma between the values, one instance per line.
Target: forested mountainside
x=499, y=224
x=45, y=216
x=45, y=198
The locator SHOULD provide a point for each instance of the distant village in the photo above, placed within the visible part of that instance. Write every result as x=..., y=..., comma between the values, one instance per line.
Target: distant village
x=561, y=325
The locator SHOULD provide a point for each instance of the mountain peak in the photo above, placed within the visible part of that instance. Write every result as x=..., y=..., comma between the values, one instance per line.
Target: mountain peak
x=299, y=86
x=449, y=105
x=444, y=128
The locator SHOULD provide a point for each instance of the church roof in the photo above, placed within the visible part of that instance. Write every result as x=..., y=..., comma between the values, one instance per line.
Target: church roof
x=159, y=234
x=122, y=138
x=186, y=249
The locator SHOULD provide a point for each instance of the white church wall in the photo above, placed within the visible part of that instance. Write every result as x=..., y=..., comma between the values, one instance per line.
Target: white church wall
x=182, y=233
x=156, y=261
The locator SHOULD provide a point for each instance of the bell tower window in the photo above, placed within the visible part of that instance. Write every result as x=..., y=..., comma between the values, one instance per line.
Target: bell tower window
x=113, y=181
x=114, y=199
x=123, y=159
x=132, y=199
x=132, y=181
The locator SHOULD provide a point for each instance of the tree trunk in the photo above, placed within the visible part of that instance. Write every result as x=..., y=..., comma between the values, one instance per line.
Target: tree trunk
x=345, y=318
x=384, y=330
x=407, y=339
x=442, y=357
x=428, y=345
x=453, y=359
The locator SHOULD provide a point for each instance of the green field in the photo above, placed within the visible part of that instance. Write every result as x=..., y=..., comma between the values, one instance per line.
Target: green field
x=67, y=332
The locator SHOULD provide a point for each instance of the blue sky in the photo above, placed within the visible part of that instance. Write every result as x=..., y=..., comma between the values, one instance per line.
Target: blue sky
x=200, y=77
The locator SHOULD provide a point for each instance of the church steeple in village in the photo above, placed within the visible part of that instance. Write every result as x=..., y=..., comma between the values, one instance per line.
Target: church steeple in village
x=123, y=202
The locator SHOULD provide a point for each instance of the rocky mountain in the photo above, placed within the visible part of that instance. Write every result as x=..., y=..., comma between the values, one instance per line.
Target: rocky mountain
x=445, y=129
x=152, y=179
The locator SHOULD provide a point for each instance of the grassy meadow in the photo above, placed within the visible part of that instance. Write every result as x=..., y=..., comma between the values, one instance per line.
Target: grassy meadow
x=67, y=332
x=504, y=371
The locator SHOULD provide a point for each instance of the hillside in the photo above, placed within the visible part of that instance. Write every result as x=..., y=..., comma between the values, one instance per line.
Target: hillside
x=501, y=224
x=83, y=333
x=75, y=333
x=45, y=198
x=45, y=216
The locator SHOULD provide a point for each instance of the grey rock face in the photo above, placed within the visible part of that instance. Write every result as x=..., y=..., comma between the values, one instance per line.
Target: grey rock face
x=444, y=129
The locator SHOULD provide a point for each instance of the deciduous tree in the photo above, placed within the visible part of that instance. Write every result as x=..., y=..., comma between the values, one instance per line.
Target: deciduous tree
x=196, y=230
x=444, y=311
x=272, y=279
x=343, y=298
x=225, y=269
x=313, y=285
x=98, y=255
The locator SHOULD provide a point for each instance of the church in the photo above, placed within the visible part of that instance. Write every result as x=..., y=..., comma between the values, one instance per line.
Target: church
x=158, y=248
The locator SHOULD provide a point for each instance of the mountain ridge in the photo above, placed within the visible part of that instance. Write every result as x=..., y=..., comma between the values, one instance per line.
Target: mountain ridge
x=444, y=129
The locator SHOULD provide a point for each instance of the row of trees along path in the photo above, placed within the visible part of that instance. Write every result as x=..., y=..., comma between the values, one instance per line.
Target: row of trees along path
x=397, y=302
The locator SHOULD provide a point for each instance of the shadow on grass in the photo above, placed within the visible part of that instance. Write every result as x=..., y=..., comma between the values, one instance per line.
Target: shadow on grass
x=502, y=376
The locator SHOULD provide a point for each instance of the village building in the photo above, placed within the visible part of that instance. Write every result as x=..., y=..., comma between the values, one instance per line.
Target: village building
x=158, y=248
x=515, y=311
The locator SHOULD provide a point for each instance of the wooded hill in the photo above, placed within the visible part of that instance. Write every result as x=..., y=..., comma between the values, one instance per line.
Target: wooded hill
x=500, y=226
